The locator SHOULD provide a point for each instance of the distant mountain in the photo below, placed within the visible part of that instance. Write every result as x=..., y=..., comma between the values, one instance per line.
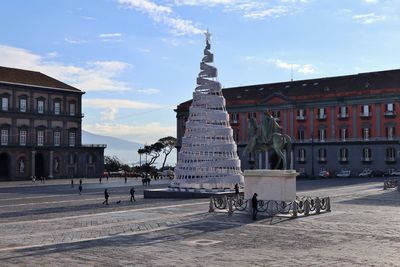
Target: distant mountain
x=126, y=151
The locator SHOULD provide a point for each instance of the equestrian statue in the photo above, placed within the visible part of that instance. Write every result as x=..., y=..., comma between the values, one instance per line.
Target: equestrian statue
x=267, y=136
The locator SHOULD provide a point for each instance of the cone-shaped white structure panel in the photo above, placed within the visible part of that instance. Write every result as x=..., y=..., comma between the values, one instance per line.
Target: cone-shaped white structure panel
x=208, y=156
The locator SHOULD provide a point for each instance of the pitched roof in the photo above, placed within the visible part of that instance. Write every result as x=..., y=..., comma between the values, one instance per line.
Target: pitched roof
x=35, y=78
x=356, y=84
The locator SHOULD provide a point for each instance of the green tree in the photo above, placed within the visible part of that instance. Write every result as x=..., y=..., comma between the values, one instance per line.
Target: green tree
x=169, y=144
x=112, y=163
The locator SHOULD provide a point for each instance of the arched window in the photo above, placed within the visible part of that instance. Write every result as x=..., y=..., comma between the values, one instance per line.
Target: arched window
x=72, y=108
x=72, y=137
x=57, y=106
x=23, y=133
x=41, y=105
x=5, y=131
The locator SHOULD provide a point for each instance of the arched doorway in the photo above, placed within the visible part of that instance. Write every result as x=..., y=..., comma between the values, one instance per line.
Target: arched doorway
x=273, y=160
x=39, y=165
x=4, y=165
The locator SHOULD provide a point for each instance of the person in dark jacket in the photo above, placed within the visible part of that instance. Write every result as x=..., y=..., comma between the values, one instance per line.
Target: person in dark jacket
x=254, y=203
x=80, y=189
x=237, y=189
x=133, y=194
x=106, y=196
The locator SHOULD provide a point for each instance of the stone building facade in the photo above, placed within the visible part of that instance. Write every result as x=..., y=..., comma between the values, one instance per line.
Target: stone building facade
x=345, y=122
x=40, y=129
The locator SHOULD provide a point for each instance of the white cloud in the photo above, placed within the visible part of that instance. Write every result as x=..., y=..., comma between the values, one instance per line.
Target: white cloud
x=148, y=133
x=305, y=69
x=369, y=18
x=149, y=91
x=93, y=76
x=163, y=14
x=268, y=12
x=110, y=35
x=74, y=41
x=204, y=2
x=110, y=107
x=371, y=1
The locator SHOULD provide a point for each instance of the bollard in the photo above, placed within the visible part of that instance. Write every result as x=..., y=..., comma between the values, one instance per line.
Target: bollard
x=294, y=209
x=328, y=204
x=306, y=208
x=211, y=209
x=230, y=206
x=317, y=205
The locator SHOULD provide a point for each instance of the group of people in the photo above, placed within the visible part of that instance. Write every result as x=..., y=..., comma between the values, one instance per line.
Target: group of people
x=42, y=179
x=107, y=196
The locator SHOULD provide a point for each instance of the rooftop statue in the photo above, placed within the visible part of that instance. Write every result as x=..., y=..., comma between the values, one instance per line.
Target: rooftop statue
x=267, y=136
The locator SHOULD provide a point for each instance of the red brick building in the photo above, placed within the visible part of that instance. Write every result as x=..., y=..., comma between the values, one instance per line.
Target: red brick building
x=345, y=122
x=41, y=129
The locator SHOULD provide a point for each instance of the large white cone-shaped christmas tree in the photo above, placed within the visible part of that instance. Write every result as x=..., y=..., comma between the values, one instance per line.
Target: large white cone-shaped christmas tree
x=208, y=157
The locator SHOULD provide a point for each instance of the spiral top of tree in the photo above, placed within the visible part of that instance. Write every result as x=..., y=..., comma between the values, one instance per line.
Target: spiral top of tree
x=208, y=157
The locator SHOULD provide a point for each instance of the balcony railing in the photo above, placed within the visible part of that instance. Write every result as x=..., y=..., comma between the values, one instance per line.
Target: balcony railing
x=301, y=159
x=390, y=113
x=366, y=159
x=321, y=117
x=390, y=159
x=301, y=118
x=343, y=159
x=356, y=139
x=234, y=122
x=343, y=116
x=322, y=159
x=44, y=113
x=365, y=114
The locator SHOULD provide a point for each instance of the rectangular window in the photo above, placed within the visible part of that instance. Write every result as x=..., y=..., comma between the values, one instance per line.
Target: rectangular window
x=57, y=138
x=72, y=109
x=40, y=138
x=366, y=133
x=300, y=135
x=22, y=137
x=4, y=104
x=22, y=105
x=40, y=106
x=390, y=153
x=366, y=111
x=234, y=118
x=343, y=134
x=343, y=154
x=390, y=132
x=301, y=114
x=302, y=154
x=4, y=137
x=71, y=139
x=321, y=135
x=57, y=108
x=390, y=107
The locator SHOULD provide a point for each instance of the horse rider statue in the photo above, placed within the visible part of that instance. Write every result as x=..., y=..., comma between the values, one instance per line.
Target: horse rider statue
x=267, y=136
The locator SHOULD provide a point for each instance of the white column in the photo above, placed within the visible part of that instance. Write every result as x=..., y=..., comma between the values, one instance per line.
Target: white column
x=51, y=165
x=33, y=163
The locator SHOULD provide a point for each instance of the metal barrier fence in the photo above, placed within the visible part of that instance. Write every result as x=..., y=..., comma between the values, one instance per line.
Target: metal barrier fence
x=300, y=206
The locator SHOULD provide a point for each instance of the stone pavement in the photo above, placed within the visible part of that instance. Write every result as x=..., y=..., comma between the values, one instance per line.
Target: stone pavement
x=51, y=225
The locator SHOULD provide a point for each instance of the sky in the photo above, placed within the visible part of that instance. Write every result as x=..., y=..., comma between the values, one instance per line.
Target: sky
x=138, y=59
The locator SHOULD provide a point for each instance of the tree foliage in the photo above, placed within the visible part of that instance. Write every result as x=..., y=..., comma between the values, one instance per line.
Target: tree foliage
x=112, y=163
x=169, y=144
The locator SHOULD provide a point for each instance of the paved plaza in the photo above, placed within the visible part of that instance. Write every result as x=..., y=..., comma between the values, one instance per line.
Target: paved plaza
x=52, y=225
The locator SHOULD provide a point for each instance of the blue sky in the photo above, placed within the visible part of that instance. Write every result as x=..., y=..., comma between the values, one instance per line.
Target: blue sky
x=137, y=59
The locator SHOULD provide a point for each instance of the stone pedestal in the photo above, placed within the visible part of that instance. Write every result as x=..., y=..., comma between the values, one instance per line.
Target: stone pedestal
x=279, y=185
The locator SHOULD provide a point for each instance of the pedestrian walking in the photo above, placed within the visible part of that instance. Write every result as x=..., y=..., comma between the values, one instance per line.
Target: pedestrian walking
x=72, y=183
x=80, y=189
x=80, y=181
x=126, y=179
x=133, y=194
x=33, y=179
x=106, y=196
x=254, y=203
x=100, y=179
x=237, y=189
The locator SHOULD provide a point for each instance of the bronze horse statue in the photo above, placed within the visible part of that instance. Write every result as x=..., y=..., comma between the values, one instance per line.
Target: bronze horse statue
x=267, y=136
